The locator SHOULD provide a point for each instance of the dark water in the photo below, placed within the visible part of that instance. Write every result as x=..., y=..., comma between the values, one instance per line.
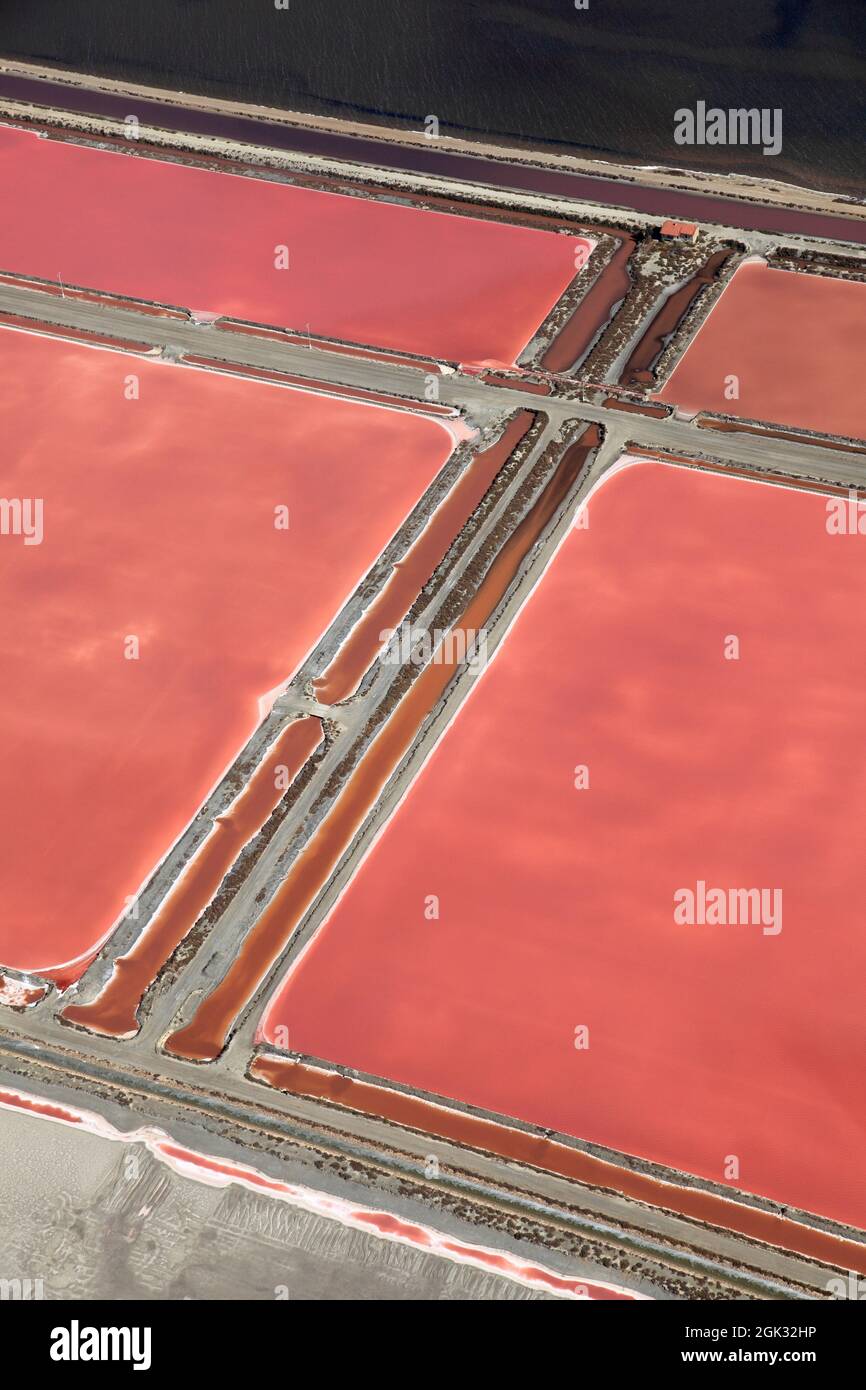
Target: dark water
x=606, y=80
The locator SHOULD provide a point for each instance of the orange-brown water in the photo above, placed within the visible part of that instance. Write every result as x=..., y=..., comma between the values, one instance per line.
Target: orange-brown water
x=204, y=1037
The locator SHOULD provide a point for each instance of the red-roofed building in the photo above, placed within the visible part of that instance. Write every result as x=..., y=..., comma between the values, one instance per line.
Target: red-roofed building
x=679, y=231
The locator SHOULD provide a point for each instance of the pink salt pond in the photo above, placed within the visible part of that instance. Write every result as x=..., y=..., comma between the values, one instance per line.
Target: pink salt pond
x=160, y=602
x=460, y=288
x=792, y=347
x=511, y=939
